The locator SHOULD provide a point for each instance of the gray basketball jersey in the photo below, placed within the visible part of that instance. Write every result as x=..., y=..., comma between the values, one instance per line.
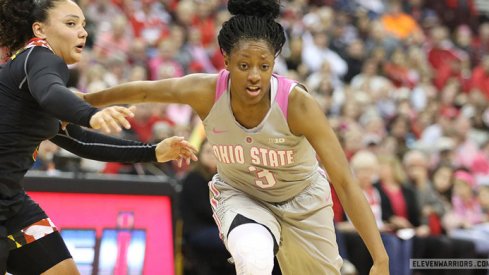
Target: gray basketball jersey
x=267, y=162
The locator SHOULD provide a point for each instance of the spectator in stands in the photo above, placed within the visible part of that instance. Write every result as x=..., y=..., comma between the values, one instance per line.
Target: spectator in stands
x=149, y=21
x=481, y=42
x=397, y=23
x=480, y=77
x=398, y=71
x=399, y=208
x=442, y=178
x=355, y=56
x=165, y=57
x=466, y=219
x=365, y=168
x=202, y=243
x=399, y=127
x=433, y=209
x=484, y=200
x=416, y=164
x=115, y=40
x=315, y=51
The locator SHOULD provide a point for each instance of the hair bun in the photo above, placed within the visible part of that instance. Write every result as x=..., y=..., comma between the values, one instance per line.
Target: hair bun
x=258, y=8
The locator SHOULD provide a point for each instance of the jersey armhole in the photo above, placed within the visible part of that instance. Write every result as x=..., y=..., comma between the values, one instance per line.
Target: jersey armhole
x=284, y=89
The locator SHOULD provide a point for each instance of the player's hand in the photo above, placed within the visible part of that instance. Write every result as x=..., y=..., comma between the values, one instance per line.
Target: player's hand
x=380, y=268
x=112, y=118
x=175, y=148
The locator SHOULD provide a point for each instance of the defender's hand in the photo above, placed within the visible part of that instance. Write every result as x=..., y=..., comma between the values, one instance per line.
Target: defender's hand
x=175, y=148
x=112, y=118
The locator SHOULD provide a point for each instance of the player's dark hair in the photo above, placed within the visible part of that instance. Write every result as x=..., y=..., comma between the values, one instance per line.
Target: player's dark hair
x=16, y=19
x=252, y=20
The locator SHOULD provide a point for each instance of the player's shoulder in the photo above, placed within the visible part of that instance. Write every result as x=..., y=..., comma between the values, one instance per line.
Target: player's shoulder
x=201, y=83
x=299, y=93
x=199, y=91
x=42, y=51
x=44, y=57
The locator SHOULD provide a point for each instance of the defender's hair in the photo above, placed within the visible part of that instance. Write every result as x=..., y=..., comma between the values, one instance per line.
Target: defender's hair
x=16, y=19
x=252, y=20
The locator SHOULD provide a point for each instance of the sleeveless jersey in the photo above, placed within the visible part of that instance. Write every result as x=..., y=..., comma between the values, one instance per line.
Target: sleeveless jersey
x=266, y=162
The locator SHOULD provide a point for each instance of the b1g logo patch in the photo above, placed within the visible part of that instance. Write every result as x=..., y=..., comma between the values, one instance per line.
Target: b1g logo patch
x=276, y=140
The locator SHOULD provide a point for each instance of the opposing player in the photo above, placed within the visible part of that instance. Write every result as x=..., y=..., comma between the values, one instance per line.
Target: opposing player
x=43, y=36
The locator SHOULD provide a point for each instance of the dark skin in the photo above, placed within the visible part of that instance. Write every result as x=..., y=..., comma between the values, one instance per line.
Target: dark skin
x=250, y=65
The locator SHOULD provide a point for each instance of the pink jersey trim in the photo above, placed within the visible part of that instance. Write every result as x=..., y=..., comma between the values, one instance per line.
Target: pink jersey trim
x=222, y=84
x=283, y=91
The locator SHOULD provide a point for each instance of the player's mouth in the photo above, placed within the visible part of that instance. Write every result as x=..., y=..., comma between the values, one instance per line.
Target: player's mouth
x=79, y=48
x=253, y=90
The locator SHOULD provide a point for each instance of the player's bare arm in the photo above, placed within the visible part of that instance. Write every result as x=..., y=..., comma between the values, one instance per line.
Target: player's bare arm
x=306, y=118
x=172, y=90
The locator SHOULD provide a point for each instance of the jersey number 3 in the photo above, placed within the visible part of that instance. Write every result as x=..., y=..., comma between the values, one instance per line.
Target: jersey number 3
x=263, y=177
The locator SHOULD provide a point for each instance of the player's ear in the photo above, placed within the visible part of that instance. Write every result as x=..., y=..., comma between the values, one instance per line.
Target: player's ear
x=226, y=60
x=38, y=30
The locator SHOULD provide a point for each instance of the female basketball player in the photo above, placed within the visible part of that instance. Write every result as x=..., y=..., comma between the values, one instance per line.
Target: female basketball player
x=43, y=36
x=269, y=194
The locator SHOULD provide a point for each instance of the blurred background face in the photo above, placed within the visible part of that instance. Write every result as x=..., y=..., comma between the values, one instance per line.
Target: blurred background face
x=390, y=169
x=463, y=36
x=385, y=171
x=484, y=31
x=416, y=166
x=395, y=8
x=185, y=12
x=462, y=189
x=321, y=39
x=365, y=168
x=399, y=127
x=365, y=174
x=442, y=179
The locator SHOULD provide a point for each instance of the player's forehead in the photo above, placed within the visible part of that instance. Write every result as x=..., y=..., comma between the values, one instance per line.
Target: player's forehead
x=65, y=9
x=252, y=48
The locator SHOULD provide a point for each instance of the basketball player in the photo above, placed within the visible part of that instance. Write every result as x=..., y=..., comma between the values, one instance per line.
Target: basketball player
x=269, y=194
x=43, y=36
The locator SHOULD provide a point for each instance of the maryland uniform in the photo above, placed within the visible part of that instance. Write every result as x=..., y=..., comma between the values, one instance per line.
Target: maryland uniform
x=271, y=176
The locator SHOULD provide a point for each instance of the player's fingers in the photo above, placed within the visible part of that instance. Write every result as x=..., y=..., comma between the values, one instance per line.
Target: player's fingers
x=103, y=125
x=185, y=145
x=175, y=141
x=189, y=146
x=126, y=112
x=111, y=121
x=132, y=109
x=188, y=154
x=120, y=117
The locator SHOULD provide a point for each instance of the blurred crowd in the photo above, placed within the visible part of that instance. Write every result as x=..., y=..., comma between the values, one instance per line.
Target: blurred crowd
x=405, y=85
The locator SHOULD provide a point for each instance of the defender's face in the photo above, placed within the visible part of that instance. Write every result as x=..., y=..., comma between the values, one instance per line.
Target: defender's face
x=64, y=30
x=251, y=66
